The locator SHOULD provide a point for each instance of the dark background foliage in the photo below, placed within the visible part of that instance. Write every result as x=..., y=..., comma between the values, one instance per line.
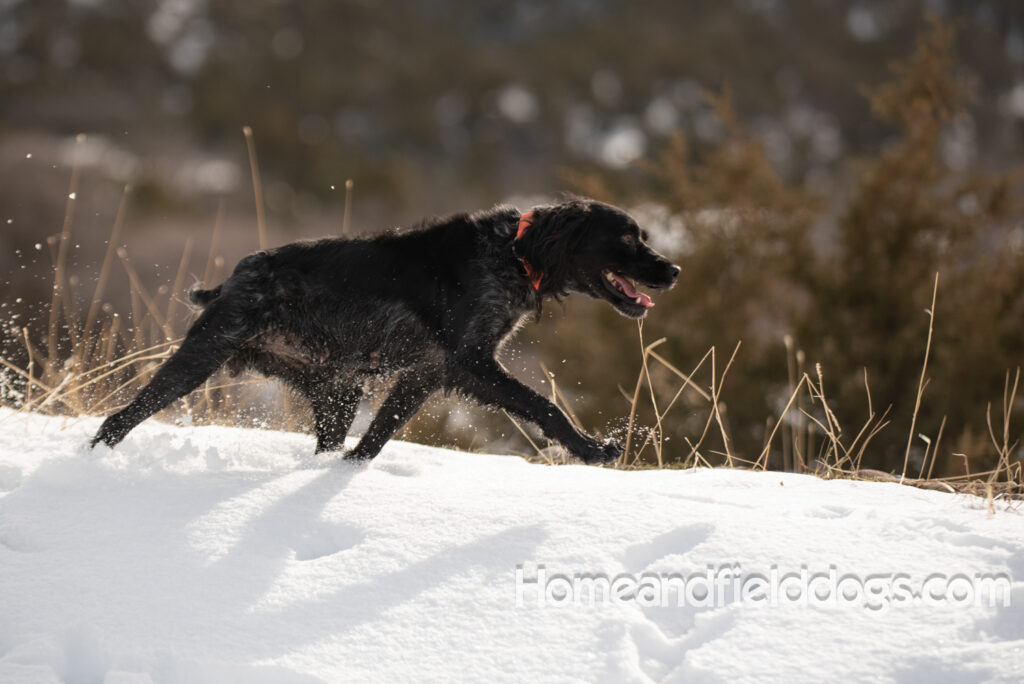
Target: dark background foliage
x=809, y=186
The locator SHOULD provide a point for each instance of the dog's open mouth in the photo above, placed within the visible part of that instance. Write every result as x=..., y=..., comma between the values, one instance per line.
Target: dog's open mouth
x=626, y=288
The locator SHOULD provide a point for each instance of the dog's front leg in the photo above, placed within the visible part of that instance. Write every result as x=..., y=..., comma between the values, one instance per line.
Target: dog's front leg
x=334, y=409
x=408, y=395
x=485, y=380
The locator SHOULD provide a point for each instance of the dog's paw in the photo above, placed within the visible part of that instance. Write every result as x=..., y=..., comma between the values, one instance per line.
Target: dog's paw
x=110, y=433
x=358, y=455
x=608, y=451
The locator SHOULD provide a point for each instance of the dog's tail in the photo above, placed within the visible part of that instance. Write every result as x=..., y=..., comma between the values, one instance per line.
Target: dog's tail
x=201, y=297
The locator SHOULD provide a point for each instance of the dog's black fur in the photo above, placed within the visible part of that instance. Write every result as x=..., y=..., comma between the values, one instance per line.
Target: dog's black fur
x=429, y=308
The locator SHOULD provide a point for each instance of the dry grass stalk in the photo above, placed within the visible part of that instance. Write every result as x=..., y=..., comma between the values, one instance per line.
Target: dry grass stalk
x=687, y=379
x=787, y=435
x=257, y=188
x=714, y=414
x=800, y=426
x=1004, y=448
x=347, y=215
x=718, y=407
x=921, y=384
x=935, y=451
x=635, y=400
x=558, y=399
x=211, y=257
x=104, y=275
x=61, y=297
x=762, y=460
x=138, y=288
x=659, y=439
x=540, y=454
x=179, y=282
x=687, y=384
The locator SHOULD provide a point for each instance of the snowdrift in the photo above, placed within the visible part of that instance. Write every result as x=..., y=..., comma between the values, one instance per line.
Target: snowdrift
x=215, y=554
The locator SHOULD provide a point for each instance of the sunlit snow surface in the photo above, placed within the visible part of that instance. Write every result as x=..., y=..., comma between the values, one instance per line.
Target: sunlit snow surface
x=214, y=554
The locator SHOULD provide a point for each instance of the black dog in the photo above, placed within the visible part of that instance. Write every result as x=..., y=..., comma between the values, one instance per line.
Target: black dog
x=429, y=308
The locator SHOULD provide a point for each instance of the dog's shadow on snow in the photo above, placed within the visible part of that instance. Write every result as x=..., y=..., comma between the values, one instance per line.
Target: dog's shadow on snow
x=242, y=563
x=356, y=604
x=256, y=540
x=293, y=528
x=293, y=523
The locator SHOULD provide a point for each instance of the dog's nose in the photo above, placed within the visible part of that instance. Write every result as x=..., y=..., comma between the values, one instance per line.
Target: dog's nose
x=675, y=272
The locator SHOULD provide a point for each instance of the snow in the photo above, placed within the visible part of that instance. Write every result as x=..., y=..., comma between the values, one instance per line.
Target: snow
x=217, y=554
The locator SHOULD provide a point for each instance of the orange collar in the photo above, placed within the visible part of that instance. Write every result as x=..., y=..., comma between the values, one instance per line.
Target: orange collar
x=535, y=276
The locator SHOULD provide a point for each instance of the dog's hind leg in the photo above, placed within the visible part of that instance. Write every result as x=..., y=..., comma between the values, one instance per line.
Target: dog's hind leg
x=408, y=395
x=209, y=343
x=334, y=409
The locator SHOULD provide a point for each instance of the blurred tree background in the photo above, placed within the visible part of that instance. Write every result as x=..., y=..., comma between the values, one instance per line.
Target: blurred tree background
x=807, y=165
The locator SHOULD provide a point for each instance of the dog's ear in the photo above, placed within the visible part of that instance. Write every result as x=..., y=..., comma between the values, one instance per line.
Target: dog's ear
x=548, y=244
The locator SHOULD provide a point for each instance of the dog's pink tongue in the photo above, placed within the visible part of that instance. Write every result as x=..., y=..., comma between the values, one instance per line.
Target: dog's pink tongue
x=631, y=292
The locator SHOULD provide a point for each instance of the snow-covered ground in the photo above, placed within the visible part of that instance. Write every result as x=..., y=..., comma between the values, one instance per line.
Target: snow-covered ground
x=216, y=554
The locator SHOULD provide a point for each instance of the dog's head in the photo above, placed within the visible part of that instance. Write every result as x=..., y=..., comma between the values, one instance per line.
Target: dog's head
x=591, y=247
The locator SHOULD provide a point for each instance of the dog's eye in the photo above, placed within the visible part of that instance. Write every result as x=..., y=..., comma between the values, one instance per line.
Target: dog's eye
x=629, y=239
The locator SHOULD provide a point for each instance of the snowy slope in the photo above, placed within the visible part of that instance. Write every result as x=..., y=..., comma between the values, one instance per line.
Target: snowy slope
x=231, y=555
